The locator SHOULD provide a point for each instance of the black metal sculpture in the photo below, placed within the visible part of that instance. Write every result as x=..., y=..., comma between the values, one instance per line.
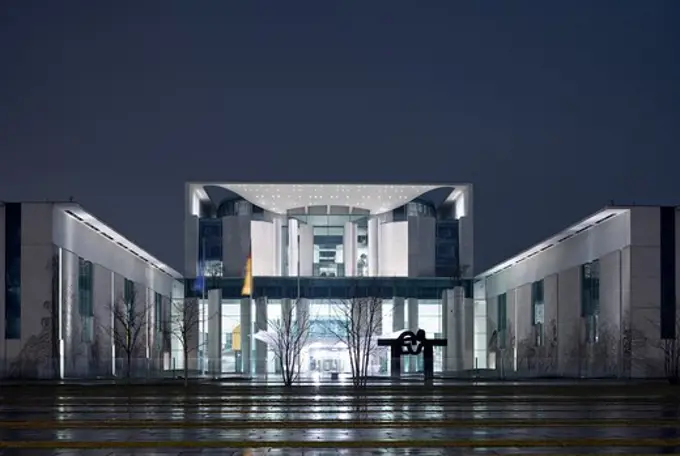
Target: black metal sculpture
x=409, y=343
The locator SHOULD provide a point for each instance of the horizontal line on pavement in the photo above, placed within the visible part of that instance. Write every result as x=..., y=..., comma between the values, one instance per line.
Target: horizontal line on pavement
x=500, y=443
x=331, y=424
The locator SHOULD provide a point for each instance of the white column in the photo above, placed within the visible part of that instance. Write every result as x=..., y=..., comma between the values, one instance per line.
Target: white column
x=306, y=250
x=413, y=326
x=260, y=346
x=398, y=321
x=350, y=249
x=373, y=246
x=302, y=314
x=293, y=247
x=246, y=336
x=278, y=247
x=214, y=348
x=454, y=331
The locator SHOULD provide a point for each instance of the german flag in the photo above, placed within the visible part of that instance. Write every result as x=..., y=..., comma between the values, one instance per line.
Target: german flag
x=247, y=289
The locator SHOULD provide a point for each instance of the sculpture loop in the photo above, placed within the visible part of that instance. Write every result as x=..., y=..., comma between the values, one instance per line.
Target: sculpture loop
x=412, y=344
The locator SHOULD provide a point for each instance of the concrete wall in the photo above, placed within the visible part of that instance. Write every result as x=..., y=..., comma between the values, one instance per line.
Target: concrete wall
x=263, y=253
x=235, y=244
x=394, y=248
x=421, y=246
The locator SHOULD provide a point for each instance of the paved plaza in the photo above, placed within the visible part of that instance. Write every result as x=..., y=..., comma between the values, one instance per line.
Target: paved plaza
x=225, y=419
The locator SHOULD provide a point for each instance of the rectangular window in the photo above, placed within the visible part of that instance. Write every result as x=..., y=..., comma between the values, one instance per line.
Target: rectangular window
x=129, y=298
x=13, y=271
x=590, y=299
x=158, y=312
x=502, y=319
x=85, y=299
x=537, y=311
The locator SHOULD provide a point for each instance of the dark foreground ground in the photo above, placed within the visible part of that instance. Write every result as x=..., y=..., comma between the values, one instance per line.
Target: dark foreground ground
x=597, y=418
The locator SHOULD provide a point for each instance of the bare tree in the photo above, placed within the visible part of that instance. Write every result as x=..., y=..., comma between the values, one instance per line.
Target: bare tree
x=505, y=349
x=360, y=321
x=184, y=326
x=670, y=353
x=287, y=337
x=129, y=327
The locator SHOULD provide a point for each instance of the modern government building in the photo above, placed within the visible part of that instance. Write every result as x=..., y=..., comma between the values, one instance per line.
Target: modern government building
x=595, y=300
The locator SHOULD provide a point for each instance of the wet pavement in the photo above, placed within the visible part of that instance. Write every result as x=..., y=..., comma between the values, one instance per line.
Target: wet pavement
x=332, y=420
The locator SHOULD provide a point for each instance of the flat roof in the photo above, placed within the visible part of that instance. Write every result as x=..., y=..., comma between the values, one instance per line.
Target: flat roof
x=77, y=212
x=281, y=197
x=583, y=225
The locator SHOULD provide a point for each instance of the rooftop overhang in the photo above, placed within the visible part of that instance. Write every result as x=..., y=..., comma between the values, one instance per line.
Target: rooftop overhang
x=280, y=198
x=77, y=212
x=558, y=238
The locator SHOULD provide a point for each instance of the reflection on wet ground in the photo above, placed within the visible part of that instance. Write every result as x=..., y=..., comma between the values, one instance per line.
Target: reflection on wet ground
x=115, y=420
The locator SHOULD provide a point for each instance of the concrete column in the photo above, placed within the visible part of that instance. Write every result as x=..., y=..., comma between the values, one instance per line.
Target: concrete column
x=398, y=314
x=306, y=250
x=293, y=248
x=260, y=347
x=246, y=335
x=350, y=249
x=214, y=349
x=413, y=326
x=458, y=325
x=69, y=311
x=302, y=313
x=278, y=247
x=373, y=246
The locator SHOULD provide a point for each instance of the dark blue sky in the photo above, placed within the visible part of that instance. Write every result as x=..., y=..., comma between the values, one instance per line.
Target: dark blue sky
x=550, y=108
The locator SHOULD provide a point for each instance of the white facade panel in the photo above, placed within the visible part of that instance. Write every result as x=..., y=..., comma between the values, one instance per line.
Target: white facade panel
x=373, y=246
x=394, y=249
x=524, y=312
x=610, y=295
x=569, y=321
x=608, y=236
x=306, y=250
x=293, y=248
x=263, y=252
x=349, y=249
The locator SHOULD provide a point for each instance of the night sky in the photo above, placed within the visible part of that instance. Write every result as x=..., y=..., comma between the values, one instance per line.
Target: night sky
x=550, y=108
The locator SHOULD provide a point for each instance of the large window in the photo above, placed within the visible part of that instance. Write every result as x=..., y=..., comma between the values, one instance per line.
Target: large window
x=158, y=312
x=537, y=312
x=590, y=299
x=85, y=298
x=13, y=271
x=210, y=246
x=502, y=319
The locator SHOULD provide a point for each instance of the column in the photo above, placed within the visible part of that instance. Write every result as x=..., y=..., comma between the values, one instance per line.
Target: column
x=278, y=247
x=293, y=248
x=260, y=346
x=350, y=249
x=306, y=253
x=398, y=323
x=302, y=314
x=373, y=246
x=413, y=326
x=458, y=322
x=246, y=336
x=214, y=332
x=398, y=314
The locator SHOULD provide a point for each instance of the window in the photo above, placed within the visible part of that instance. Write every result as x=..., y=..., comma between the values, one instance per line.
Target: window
x=85, y=298
x=158, y=312
x=129, y=298
x=590, y=299
x=502, y=319
x=537, y=311
x=13, y=271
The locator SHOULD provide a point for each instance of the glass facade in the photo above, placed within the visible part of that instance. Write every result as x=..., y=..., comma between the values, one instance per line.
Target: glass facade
x=325, y=351
x=13, y=271
x=502, y=319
